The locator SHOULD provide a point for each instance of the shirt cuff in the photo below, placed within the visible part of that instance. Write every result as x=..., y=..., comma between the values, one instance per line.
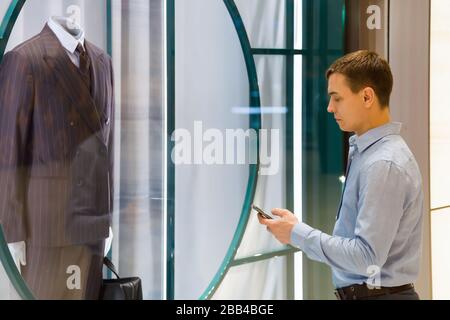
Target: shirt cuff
x=299, y=234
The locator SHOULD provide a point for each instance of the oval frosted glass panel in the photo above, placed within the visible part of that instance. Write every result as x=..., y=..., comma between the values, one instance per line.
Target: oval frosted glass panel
x=265, y=21
x=211, y=83
x=262, y=280
x=439, y=113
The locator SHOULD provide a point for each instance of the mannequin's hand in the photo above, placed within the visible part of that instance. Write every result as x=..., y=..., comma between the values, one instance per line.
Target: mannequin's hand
x=18, y=252
x=108, y=241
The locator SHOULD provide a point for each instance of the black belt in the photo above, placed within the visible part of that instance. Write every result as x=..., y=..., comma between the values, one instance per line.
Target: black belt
x=360, y=291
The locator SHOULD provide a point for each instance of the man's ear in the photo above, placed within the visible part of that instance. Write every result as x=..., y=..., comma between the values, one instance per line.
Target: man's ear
x=368, y=96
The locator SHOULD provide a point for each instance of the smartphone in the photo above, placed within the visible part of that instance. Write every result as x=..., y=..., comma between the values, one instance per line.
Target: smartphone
x=261, y=212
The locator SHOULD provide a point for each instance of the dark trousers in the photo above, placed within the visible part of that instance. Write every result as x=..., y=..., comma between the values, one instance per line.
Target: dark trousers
x=65, y=273
x=410, y=294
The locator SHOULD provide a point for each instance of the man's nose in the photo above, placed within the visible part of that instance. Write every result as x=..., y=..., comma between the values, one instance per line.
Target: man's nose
x=330, y=108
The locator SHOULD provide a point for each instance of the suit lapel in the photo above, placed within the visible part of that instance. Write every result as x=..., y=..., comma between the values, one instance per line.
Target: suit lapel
x=71, y=83
x=98, y=65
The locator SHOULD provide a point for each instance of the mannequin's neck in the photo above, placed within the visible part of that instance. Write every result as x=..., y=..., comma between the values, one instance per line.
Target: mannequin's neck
x=75, y=30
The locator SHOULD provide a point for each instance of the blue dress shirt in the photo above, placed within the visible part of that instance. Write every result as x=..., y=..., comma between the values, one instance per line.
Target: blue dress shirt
x=377, y=236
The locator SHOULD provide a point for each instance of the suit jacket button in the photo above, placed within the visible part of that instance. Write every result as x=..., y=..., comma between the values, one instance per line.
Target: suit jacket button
x=72, y=124
x=107, y=121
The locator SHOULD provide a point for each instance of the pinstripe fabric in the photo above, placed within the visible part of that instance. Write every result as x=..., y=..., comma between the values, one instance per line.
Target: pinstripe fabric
x=56, y=143
x=49, y=274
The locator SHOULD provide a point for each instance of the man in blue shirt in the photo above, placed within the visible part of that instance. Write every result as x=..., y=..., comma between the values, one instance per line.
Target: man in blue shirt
x=375, y=248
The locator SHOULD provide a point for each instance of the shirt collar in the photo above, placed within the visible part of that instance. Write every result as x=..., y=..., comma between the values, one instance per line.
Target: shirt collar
x=375, y=134
x=65, y=38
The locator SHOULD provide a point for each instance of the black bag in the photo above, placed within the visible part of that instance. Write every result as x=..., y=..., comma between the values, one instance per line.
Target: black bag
x=120, y=288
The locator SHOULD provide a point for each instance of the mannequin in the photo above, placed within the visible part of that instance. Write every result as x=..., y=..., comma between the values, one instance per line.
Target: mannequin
x=70, y=26
x=62, y=208
x=18, y=249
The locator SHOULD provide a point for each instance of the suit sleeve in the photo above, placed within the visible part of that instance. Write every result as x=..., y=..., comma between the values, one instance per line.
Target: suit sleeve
x=16, y=103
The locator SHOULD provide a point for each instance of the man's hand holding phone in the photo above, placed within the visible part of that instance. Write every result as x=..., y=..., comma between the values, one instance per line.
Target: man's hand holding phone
x=280, y=228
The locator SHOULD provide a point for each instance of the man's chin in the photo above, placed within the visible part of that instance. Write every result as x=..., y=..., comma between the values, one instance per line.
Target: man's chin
x=344, y=128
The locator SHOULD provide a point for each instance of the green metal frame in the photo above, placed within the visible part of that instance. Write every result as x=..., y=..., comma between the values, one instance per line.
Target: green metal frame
x=8, y=23
x=5, y=256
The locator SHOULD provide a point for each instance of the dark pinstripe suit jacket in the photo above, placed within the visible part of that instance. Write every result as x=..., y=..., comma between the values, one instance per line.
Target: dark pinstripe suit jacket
x=56, y=138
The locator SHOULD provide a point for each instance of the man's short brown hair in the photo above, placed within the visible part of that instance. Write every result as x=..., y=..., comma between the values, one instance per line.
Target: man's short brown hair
x=365, y=69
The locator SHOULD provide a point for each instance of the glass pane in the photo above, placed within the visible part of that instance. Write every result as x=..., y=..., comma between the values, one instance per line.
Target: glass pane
x=138, y=56
x=4, y=5
x=90, y=165
x=7, y=291
x=211, y=82
x=271, y=191
x=262, y=280
x=323, y=142
x=298, y=24
x=265, y=22
x=440, y=224
x=439, y=113
x=322, y=25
